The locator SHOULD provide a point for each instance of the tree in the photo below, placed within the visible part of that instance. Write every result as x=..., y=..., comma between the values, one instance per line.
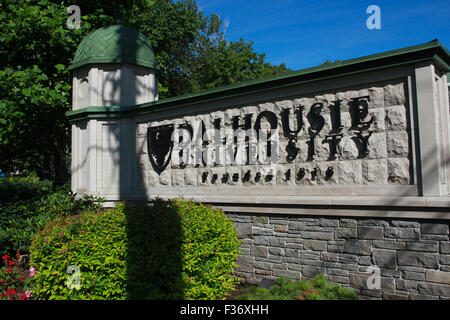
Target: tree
x=36, y=49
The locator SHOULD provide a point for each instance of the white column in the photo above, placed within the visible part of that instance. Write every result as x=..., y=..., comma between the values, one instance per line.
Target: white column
x=430, y=112
x=92, y=156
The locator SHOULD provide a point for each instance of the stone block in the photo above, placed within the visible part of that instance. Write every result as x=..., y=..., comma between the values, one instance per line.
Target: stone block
x=425, y=246
x=348, y=223
x=370, y=295
x=389, y=244
x=262, y=272
x=414, y=296
x=406, y=285
x=398, y=171
x=376, y=95
x=437, y=237
x=312, y=271
x=347, y=150
x=260, y=240
x=337, y=272
x=405, y=224
x=373, y=223
x=262, y=231
x=434, y=289
x=190, y=176
x=384, y=258
x=276, y=251
x=276, y=242
x=244, y=231
x=394, y=94
x=376, y=147
x=165, y=178
x=345, y=233
x=391, y=296
x=373, y=233
x=329, y=256
x=315, y=245
x=364, y=260
x=359, y=281
x=395, y=118
x=445, y=259
x=402, y=233
x=445, y=247
x=337, y=279
x=260, y=219
x=280, y=228
x=355, y=246
x=418, y=259
x=296, y=225
x=290, y=274
x=294, y=266
x=397, y=144
x=328, y=222
x=392, y=273
x=259, y=251
x=375, y=171
x=437, y=276
x=411, y=275
x=245, y=267
x=317, y=235
x=350, y=172
x=435, y=228
x=291, y=252
x=348, y=259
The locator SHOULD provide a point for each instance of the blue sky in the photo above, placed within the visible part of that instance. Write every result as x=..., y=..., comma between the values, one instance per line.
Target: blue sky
x=306, y=33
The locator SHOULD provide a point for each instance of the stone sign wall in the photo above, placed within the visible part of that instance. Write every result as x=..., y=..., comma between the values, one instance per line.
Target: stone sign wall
x=340, y=169
x=357, y=136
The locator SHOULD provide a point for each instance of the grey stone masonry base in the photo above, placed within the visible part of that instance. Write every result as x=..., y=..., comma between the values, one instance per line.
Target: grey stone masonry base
x=413, y=255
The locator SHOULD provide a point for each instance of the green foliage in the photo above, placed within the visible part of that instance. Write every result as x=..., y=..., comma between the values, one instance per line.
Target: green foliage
x=286, y=289
x=95, y=243
x=28, y=204
x=166, y=250
x=25, y=144
x=35, y=49
x=209, y=250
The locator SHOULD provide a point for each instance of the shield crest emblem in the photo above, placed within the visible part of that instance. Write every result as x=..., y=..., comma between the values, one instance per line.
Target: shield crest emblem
x=160, y=145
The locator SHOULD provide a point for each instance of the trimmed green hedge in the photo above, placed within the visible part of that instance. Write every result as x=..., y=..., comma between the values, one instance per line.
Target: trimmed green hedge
x=166, y=250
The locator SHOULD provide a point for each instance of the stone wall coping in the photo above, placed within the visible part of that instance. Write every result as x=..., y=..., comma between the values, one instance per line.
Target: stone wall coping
x=363, y=206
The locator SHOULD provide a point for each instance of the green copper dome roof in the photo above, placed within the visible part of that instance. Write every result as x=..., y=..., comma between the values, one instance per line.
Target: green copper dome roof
x=115, y=44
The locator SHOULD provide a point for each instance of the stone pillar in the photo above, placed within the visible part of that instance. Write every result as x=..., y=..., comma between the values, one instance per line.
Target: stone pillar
x=99, y=160
x=433, y=123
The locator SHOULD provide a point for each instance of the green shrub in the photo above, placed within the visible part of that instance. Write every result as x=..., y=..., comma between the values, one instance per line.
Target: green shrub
x=166, y=250
x=286, y=289
x=27, y=204
x=95, y=243
x=209, y=250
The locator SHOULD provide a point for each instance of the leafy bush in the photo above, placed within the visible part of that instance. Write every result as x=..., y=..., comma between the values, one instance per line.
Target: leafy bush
x=286, y=289
x=27, y=204
x=94, y=242
x=166, y=250
x=210, y=247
